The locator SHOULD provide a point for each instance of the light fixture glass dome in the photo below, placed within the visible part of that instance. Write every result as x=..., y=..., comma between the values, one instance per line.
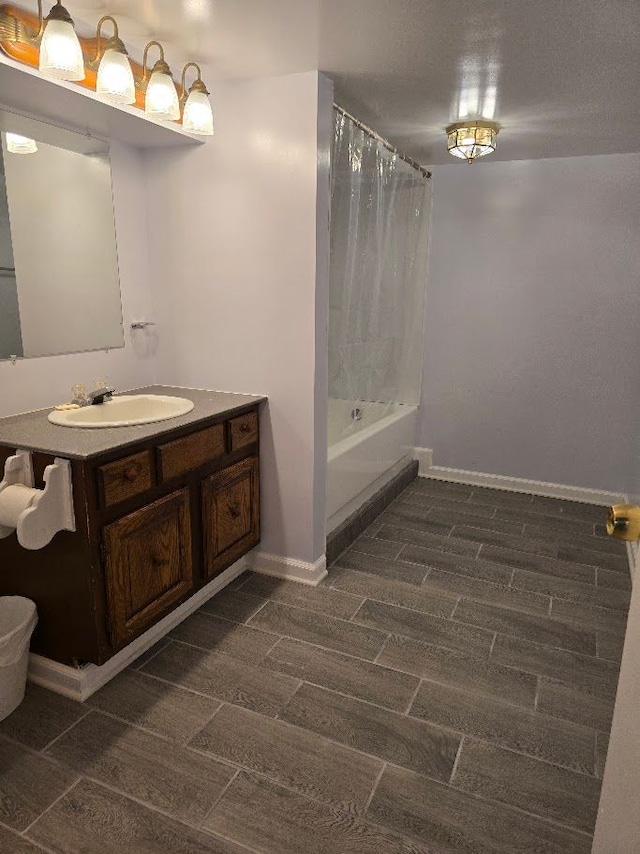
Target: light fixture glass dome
x=161, y=100
x=198, y=115
x=17, y=144
x=115, y=81
x=60, y=51
x=472, y=139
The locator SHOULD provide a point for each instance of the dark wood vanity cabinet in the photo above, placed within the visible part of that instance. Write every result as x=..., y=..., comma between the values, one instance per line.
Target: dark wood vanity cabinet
x=156, y=522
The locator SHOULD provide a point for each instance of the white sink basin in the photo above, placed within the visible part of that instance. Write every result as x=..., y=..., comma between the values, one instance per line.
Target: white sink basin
x=124, y=411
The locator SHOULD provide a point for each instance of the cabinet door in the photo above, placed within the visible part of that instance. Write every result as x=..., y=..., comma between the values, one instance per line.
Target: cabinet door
x=231, y=514
x=149, y=564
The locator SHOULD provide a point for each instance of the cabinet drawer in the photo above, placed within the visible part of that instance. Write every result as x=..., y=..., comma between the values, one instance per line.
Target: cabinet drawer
x=125, y=478
x=191, y=452
x=243, y=430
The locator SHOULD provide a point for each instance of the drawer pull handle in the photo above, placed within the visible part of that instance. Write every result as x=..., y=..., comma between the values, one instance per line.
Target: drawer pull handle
x=131, y=474
x=234, y=511
x=245, y=428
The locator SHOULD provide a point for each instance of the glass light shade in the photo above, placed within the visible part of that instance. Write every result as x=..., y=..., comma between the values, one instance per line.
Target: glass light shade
x=115, y=78
x=17, y=144
x=469, y=143
x=198, y=115
x=161, y=100
x=60, y=52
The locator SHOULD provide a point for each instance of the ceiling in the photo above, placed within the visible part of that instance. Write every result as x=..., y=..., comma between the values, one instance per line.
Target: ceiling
x=560, y=76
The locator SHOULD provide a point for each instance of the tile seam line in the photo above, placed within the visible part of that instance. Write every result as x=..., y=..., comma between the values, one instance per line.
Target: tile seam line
x=133, y=725
x=524, y=614
x=448, y=729
x=456, y=761
x=457, y=621
x=455, y=599
x=586, y=730
x=51, y=805
x=468, y=544
x=87, y=712
x=278, y=782
x=507, y=568
x=181, y=821
x=391, y=635
x=318, y=647
x=302, y=610
x=413, y=697
x=496, y=804
x=221, y=700
x=20, y=834
x=225, y=789
x=539, y=680
x=374, y=788
x=162, y=643
x=486, y=545
x=546, y=819
x=283, y=582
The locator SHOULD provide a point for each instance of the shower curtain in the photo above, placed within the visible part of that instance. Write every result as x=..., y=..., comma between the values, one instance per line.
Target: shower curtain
x=379, y=250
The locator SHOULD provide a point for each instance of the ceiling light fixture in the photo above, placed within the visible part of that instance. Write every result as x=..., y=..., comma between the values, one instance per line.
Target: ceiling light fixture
x=114, y=81
x=469, y=140
x=161, y=98
x=197, y=115
x=60, y=51
x=17, y=144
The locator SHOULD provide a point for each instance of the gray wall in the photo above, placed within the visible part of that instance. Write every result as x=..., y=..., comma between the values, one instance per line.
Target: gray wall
x=532, y=357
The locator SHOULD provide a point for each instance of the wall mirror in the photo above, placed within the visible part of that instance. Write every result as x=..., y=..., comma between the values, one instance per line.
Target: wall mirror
x=59, y=286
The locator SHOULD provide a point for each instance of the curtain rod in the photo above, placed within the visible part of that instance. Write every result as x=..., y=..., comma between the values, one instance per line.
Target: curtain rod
x=385, y=142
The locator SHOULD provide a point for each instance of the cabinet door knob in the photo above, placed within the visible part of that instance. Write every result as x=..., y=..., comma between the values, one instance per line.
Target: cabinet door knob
x=245, y=428
x=234, y=511
x=157, y=560
x=131, y=474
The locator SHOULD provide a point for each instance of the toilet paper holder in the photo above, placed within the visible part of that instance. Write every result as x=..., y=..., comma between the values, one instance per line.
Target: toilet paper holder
x=46, y=511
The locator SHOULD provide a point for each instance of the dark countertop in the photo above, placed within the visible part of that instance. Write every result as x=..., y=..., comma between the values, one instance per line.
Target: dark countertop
x=33, y=432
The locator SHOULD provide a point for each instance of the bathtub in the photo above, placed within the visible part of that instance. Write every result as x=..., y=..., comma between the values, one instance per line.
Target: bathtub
x=363, y=455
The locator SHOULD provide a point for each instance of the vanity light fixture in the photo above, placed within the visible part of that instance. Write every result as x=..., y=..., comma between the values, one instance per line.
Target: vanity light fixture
x=161, y=98
x=17, y=144
x=114, y=81
x=469, y=140
x=102, y=63
x=60, y=51
x=197, y=115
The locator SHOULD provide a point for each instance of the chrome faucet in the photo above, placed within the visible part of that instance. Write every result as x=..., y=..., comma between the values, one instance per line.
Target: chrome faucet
x=99, y=395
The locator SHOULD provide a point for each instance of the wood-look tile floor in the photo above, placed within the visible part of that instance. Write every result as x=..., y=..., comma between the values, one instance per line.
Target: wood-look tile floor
x=448, y=690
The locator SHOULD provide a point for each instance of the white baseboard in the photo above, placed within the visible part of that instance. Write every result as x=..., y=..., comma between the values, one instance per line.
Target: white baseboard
x=514, y=484
x=424, y=456
x=79, y=683
x=289, y=568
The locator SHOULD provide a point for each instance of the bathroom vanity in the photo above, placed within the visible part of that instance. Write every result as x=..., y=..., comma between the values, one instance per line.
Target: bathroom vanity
x=160, y=510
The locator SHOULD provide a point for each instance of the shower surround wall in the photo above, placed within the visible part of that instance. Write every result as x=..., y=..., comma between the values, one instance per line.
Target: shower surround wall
x=532, y=361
